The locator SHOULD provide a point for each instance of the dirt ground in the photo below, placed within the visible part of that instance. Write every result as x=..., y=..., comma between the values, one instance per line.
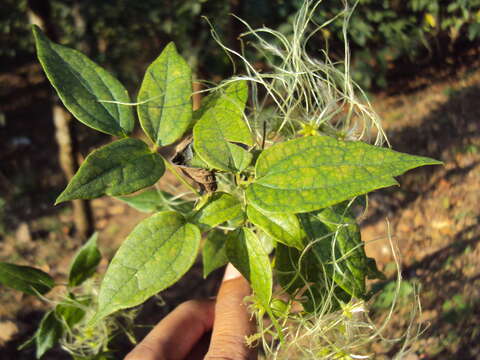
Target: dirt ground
x=433, y=216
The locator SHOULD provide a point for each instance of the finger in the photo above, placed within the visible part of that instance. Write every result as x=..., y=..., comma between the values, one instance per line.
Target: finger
x=232, y=320
x=177, y=333
x=201, y=348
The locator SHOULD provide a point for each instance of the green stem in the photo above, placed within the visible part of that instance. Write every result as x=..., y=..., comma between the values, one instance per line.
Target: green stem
x=179, y=177
x=276, y=325
x=165, y=201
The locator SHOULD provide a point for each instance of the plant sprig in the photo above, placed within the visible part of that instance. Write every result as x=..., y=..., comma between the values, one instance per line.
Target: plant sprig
x=279, y=202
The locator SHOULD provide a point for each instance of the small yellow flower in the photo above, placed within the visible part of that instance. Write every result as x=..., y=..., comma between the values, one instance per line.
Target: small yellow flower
x=430, y=20
x=308, y=130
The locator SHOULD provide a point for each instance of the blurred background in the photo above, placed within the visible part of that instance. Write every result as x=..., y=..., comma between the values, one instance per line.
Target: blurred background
x=419, y=61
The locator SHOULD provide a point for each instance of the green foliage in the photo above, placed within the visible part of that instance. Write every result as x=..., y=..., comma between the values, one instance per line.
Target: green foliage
x=26, y=279
x=311, y=173
x=299, y=271
x=214, y=253
x=458, y=308
x=152, y=200
x=338, y=246
x=382, y=32
x=296, y=194
x=48, y=333
x=165, y=98
x=220, y=126
x=334, y=254
x=86, y=89
x=70, y=313
x=110, y=32
x=154, y=256
x=220, y=207
x=14, y=30
x=246, y=253
x=85, y=262
x=304, y=175
x=282, y=227
x=119, y=168
x=391, y=294
x=68, y=320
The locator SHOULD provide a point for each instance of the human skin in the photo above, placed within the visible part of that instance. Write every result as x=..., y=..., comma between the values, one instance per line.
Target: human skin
x=184, y=333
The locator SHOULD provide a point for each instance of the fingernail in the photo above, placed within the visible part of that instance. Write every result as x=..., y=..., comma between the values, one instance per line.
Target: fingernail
x=231, y=273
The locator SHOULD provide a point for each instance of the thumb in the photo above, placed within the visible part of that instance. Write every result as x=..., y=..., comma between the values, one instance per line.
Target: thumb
x=232, y=320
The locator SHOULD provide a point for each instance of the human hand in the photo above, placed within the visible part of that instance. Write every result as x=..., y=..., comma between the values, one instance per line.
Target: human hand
x=181, y=334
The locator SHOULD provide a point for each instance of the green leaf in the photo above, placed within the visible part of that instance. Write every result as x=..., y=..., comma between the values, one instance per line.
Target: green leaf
x=70, y=312
x=197, y=162
x=214, y=254
x=208, y=102
x=303, y=273
x=119, y=168
x=147, y=201
x=48, y=333
x=236, y=92
x=220, y=207
x=25, y=278
x=283, y=227
x=339, y=249
x=154, y=256
x=372, y=270
x=314, y=172
x=246, y=253
x=85, y=262
x=87, y=90
x=165, y=111
x=291, y=273
x=153, y=200
x=220, y=127
x=350, y=263
x=267, y=241
x=240, y=157
x=335, y=256
x=27, y=343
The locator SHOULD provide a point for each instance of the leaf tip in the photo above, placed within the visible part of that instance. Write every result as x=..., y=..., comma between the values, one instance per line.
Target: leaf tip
x=428, y=161
x=205, y=274
x=38, y=35
x=36, y=29
x=66, y=195
x=171, y=46
x=99, y=315
x=59, y=199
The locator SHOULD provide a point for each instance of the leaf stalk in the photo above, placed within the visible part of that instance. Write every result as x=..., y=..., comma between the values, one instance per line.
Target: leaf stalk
x=174, y=171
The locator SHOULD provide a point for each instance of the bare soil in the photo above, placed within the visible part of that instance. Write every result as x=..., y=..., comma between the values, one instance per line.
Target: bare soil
x=434, y=215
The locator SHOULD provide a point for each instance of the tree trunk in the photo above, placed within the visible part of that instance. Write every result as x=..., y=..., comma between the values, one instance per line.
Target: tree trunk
x=39, y=14
x=82, y=215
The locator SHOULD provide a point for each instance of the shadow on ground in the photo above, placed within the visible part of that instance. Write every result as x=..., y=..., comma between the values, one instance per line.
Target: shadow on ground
x=443, y=258
x=451, y=128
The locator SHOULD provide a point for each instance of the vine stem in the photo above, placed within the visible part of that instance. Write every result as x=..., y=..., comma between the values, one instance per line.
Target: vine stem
x=276, y=325
x=179, y=177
